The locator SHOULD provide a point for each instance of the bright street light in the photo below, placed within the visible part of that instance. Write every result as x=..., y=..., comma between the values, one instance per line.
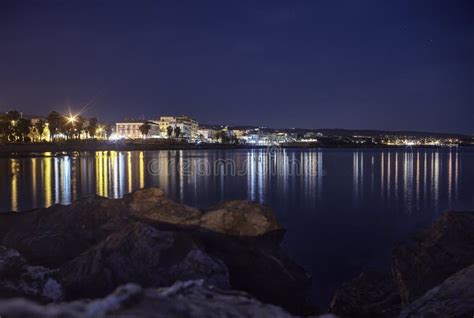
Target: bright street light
x=71, y=119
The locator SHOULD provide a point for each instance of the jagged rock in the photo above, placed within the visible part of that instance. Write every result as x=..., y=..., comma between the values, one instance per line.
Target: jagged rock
x=17, y=278
x=144, y=255
x=260, y=267
x=436, y=253
x=240, y=218
x=183, y=299
x=153, y=204
x=51, y=236
x=452, y=298
x=371, y=294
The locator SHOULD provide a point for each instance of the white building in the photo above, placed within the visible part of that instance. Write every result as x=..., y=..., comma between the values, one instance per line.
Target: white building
x=188, y=126
x=128, y=129
x=207, y=134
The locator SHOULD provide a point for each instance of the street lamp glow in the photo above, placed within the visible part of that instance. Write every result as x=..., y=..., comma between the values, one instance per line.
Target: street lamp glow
x=71, y=119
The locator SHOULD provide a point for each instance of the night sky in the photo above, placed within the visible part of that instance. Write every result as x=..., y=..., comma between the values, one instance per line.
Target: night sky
x=396, y=65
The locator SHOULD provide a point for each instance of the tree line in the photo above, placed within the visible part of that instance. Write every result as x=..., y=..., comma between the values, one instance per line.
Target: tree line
x=15, y=128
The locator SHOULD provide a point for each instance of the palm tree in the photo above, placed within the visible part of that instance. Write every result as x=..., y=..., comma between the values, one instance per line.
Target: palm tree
x=23, y=128
x=145, y=128
x=169, y=131
x=4, y=128
x=177, y=131
x=92, y=127
x=79, y=126
x=56, y=123
x=13, y=115
x=108, y=131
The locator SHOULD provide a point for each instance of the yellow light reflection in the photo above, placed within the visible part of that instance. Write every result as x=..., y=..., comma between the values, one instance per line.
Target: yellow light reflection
x=14, y=169
x=142, y=169
x=98, y=174
x=129, y=171
x=33, y=181
x=47, y=184
x=105, y=173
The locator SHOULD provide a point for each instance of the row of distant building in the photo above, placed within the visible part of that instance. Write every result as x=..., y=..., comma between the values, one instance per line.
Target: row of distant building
x=190, y=130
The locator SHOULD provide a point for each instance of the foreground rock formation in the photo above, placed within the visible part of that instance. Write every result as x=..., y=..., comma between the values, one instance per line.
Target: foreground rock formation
x=431, y=276
x=434, y=254
x=452, y=298
x=17, y=278
x=97, y=244
x=371, y=294
x=174, y=260
x=183, y=299
x=141, y=254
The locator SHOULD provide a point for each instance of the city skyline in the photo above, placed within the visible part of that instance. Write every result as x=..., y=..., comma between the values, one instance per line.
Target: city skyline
x=366, y=65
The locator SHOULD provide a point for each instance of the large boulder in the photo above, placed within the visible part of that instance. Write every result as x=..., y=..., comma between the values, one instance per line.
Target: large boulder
x=259, y=266
x=371, y=294
x=434, y=254
x=452, y=298
x=152, y=204
x=51, y=236
x=239, y=218
x=183, y=299
x=141, y=254
x=17, y=278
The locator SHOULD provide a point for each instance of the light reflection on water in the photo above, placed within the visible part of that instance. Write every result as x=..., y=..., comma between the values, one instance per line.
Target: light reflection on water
x=399, y=177
x=341, y=218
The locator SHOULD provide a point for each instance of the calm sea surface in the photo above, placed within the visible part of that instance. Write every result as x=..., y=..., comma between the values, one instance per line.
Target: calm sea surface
x=344, y=209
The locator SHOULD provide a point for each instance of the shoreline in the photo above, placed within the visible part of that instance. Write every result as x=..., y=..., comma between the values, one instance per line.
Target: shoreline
x=11, y=150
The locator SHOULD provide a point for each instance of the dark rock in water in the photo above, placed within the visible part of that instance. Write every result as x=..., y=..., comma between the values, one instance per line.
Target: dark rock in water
x=239, y=218
x=183, y=299
x=144, y=255
x=436, y=253
x=452, y=298
x=259, y=266
x=17, y=278
x=372, y=294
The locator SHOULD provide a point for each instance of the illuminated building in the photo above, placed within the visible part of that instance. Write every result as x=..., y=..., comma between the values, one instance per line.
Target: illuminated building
x=188, y=126
x=129, y=129
x=238, y=133
x=207, y=134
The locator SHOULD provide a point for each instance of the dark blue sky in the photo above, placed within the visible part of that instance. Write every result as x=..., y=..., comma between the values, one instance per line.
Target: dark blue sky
x=398, y=65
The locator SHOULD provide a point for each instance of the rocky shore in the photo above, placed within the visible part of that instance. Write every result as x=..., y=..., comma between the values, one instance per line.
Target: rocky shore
x=146, y=255
x=431, y=275
x=92, y=247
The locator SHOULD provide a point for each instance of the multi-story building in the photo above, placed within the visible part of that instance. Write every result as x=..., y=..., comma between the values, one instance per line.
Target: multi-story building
x=188, y=126
x=239, y=133
x=207, y=134
x=128, y=129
